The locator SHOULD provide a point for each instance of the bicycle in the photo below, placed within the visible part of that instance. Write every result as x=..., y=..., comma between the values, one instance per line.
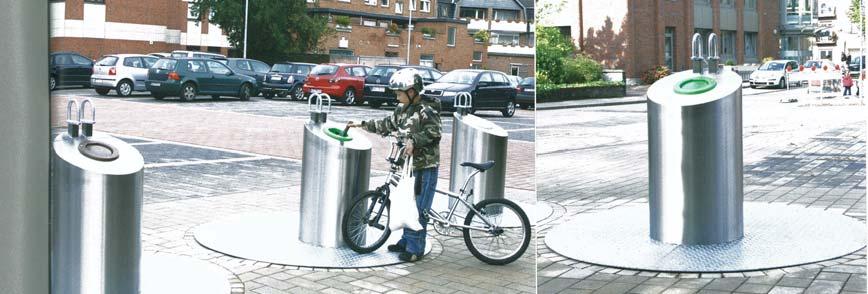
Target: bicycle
x=496, y=231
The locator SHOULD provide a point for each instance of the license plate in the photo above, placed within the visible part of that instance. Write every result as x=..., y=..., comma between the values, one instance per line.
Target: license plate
x=315, y=91
x=530, y=90
x=155, y=84
x=378, y=89
x=275, y=78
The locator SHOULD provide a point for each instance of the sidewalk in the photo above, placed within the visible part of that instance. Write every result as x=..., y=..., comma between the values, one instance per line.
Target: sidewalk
x=635, y=94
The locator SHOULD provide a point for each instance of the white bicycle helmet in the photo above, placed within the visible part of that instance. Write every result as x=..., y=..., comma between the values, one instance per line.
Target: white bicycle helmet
x=406, y=79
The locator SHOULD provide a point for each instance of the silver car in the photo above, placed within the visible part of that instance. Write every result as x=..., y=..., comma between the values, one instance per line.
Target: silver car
x=123, y=73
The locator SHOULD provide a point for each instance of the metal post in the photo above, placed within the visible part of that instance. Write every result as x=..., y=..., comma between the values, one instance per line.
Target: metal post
x=24, y=127
x=245, y=27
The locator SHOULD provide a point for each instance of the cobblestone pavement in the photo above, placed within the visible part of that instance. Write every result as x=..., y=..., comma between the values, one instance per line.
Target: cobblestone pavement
x=203, y=165
x=795, y=153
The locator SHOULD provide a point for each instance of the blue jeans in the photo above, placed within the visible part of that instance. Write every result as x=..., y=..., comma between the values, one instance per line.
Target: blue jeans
x=426, y=183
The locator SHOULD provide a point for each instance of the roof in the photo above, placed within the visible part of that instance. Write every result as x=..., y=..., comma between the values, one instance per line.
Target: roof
x=527, y=3
x=293, y=62
x=495, y=4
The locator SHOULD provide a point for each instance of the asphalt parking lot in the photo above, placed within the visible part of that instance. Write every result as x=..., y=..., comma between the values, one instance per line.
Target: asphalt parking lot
x=520, y=126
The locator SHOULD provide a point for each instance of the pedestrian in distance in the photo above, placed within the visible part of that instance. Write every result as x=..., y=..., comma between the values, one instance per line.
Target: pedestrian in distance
x=418, y=119
x=847, y=81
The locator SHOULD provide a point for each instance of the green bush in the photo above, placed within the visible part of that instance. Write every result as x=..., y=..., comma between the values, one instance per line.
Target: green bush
x=342, y=20
x=481, y=36
x=551, y=49
x=730, y=62
x=428, y=31
x=580, y=70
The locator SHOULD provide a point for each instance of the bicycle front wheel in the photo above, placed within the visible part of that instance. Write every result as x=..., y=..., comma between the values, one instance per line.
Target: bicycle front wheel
x=366, y=224
x=499, y=234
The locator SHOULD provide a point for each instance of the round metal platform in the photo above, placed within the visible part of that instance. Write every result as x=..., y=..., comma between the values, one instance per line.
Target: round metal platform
x=776, y=236
x=273, y=238
x=171, y=274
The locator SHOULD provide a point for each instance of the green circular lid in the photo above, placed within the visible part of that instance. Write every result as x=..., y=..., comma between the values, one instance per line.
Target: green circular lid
x=337, y=134
x=695, y=85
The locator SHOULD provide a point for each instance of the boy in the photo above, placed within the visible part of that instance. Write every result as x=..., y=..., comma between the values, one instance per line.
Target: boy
x=419, y=119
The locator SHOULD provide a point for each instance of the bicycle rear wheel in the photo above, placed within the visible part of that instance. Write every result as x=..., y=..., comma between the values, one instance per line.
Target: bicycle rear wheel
x=366, y=225
x=506, y=233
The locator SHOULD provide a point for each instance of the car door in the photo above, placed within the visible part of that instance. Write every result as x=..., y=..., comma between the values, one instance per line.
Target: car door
x=133, y=65
x=486, y=89
x=260, y=69
x=81, y=70
x=505, y=91
x=63, y=66
x=358, y=79
x=198, y=71
x=141, y=73
x=223, y=78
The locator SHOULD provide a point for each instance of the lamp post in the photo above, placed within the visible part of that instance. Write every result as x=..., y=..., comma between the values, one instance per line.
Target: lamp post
x=245, y=28
x=409, y=30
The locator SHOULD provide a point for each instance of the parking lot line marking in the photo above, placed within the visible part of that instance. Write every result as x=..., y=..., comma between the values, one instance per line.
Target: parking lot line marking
x=145, y=143
x=183, y=163
x=521, y=130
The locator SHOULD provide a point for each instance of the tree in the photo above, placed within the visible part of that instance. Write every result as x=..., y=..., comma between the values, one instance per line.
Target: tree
x=276, y=28
x=551, y=49
x=855, y=13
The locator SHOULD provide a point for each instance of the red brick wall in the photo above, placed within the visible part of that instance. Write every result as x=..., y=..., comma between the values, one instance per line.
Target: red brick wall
x=74, y=9
x=502, y=63
x=171, y=13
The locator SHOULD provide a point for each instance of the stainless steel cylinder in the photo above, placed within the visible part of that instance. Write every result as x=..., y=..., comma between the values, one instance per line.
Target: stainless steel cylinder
x=96, y=211
x=478, y=140
x=333, y=174
x=695, y=158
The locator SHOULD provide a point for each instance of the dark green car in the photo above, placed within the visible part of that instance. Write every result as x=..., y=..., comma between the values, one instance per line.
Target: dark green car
x=190, y=77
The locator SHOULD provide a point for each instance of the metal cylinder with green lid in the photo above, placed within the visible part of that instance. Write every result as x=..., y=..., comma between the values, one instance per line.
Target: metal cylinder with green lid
x=695, y=158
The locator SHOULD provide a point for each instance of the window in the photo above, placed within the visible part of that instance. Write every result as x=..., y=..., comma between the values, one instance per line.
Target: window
x=218, y=68
x=514, y=69
x=669, y=48
x=531, y=40
x=341, y=52
x=259, y=66
x=445, y=10
x=750, y=4
x=95, y=1
x=399, y=7
x=80, y=60
x=166, y=64
x=371, y=2
x=826, y=54
x=107, y=61
x=450, y=40
x=241, y=64
x=197, y=66
x=384, y=3
x=426, y=60
x=359, y=71
x=750, y=45
x=412, y=5
x=133, y=62
x=477, y=55
x=472, y=13
x=726, y=3
x=436, y=74
x=505, y=15
x=426, y=5
x=500, y=79
x=486, y=78
x=391, y=54
x=150, y=61
x=727, y=46
x=506, y=39
x=369, y=23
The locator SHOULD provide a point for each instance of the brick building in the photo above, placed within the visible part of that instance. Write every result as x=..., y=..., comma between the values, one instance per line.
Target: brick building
x=638, y=35
x=510, y=24
x=835, y=34
x=375, y=31
x=98, y=27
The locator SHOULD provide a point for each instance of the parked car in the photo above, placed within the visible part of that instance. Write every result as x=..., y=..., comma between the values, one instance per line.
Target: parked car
x=189, y=77
x=857, y=63
x=526, y=96
x=286, y=78
x=160, y=54
x=184, y=53
x=819, y=64
x=772, y=73
x=249, y=67
x=344, y=81
x=491, y=90
x=123, y=73
x=377, y=83
x=514, y=80
x=68, y=69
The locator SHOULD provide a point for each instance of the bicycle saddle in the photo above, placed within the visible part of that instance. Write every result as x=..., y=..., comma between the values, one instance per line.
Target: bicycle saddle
x=480, y=166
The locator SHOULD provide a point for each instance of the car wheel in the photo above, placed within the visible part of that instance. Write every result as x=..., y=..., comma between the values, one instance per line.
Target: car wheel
x=245, y=92
x=268, y=95
x=102, y=91
x=349, y=96
x=509, y=111
x=52, y=83
x=282, y=95
x=124, y=88
x=298, y=93
x=782, y=84
x=188, y=92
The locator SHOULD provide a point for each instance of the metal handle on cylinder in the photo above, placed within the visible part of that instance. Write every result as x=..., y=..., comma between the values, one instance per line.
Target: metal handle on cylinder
x=463, y=102
x=697, y=57
x=315, y=107
x=713, y=59
x=87, y=125
x=72, y=125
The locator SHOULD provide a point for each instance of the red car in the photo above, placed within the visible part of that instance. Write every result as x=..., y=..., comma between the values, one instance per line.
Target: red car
x=343, y=82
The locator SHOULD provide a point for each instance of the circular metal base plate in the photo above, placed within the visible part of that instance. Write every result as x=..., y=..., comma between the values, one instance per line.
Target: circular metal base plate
x=775, y=236
x=170, y=274
x=273, y=238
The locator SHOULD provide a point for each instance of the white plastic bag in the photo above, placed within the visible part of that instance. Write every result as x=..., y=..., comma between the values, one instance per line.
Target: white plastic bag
x=403, y=211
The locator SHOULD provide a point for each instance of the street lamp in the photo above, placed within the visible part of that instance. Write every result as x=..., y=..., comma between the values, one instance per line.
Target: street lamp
x=409, y=29
x=245, y=29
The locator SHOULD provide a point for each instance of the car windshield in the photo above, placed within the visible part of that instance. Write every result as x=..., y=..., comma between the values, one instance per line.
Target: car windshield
x=383, y=71
x=178, y=54
x=770, y=66
x=459, y=77
x=167, y=64
x=322, y=70
x=107, y=61
x=528, y=82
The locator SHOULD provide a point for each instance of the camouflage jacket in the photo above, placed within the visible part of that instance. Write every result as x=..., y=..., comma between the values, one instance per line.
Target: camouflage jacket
x=420, y=123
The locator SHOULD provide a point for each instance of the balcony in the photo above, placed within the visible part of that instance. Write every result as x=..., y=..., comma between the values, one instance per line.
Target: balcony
x=510, y=26
x=512, y=50
x=477, y=25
